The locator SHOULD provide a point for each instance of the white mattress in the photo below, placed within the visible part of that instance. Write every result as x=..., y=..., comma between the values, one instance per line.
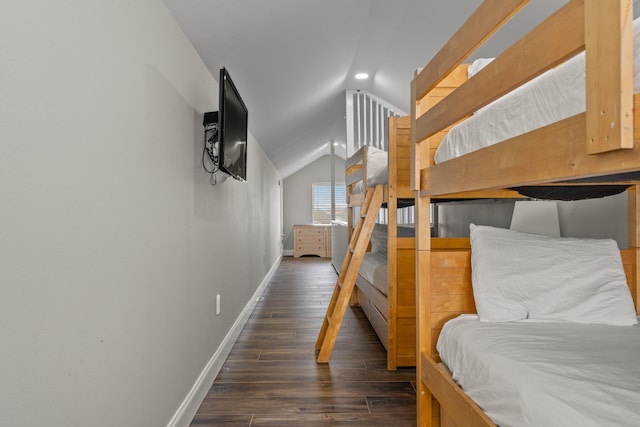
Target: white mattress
x=374, y=270
x=546, y=374
x=553, y=96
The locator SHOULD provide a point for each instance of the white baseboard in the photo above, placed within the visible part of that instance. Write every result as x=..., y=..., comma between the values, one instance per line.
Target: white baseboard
x=287, y=252
x=191, y=403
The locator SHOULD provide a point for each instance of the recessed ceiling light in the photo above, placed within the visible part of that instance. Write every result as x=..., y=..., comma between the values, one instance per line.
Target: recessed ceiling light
x=362, y=76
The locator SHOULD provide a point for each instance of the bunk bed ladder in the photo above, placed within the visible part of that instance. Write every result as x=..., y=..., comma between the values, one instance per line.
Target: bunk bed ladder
x=349, y=272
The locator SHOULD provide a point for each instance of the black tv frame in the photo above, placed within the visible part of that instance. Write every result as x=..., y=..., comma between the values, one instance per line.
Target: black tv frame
x=229, y=97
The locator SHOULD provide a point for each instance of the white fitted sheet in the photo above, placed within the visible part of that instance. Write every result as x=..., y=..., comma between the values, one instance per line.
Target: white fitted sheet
x=555, y=95
x=546, y=374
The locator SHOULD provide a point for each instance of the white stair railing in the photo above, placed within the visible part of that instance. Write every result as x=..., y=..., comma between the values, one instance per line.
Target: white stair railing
x=367, y=120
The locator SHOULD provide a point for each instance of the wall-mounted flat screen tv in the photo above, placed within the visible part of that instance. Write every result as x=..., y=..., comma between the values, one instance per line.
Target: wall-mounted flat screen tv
x=232, y=129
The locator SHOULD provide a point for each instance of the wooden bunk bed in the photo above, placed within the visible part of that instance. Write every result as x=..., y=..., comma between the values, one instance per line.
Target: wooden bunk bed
x=597, y=148
x=392, y=315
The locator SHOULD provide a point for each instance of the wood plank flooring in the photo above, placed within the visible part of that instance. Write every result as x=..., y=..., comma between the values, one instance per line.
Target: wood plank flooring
x=271, y=377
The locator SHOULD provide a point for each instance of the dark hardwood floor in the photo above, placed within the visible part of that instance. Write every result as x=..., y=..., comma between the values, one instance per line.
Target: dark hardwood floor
x=271, y=377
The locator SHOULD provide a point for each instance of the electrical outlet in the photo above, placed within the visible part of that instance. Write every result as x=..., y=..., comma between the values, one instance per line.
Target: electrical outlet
x=217, y=304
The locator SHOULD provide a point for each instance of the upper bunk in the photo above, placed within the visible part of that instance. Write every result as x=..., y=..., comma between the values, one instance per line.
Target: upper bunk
x=370, y=166
x=594, y=146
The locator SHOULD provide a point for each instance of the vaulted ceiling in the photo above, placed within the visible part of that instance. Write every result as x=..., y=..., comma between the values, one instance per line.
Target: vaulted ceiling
x=293, y=60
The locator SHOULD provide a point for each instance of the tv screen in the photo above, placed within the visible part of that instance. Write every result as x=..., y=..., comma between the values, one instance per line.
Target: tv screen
x=232, y=129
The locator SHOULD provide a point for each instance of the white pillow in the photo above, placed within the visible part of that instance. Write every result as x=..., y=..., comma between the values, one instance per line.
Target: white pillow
x=379, y=239
x=519, y=276
x=377, y=171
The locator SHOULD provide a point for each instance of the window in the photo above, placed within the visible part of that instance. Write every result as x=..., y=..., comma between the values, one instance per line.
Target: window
x=322, y=202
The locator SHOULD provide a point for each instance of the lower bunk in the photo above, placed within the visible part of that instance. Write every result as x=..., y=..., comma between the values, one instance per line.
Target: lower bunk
x=578, y=366
x=539, y=373
x=386, y=293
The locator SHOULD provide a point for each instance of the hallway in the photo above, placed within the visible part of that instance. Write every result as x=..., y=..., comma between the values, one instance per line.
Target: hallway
x=271, y=377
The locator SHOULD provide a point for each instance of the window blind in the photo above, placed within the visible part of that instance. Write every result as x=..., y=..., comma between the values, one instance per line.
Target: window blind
x=322, y=202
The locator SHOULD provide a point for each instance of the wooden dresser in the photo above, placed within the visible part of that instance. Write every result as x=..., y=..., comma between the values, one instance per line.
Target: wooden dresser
x=312, y=240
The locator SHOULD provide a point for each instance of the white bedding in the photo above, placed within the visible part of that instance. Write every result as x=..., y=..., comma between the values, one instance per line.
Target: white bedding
x=377, y=168
x=546, y=374
x=374, y=270
x=374, y=264
x=518, y=276
x=553, y=96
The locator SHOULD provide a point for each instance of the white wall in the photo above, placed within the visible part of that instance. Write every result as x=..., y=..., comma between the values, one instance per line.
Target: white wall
x=455, y=217
x=594, y=218
x=297, y=193
x=113, y=245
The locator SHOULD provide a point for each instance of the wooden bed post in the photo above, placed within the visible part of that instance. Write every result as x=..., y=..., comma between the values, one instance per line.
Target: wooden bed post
x=423, y=305
x=392, y=247
x=609, y=59
x=422, y=157
x=419, y=152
